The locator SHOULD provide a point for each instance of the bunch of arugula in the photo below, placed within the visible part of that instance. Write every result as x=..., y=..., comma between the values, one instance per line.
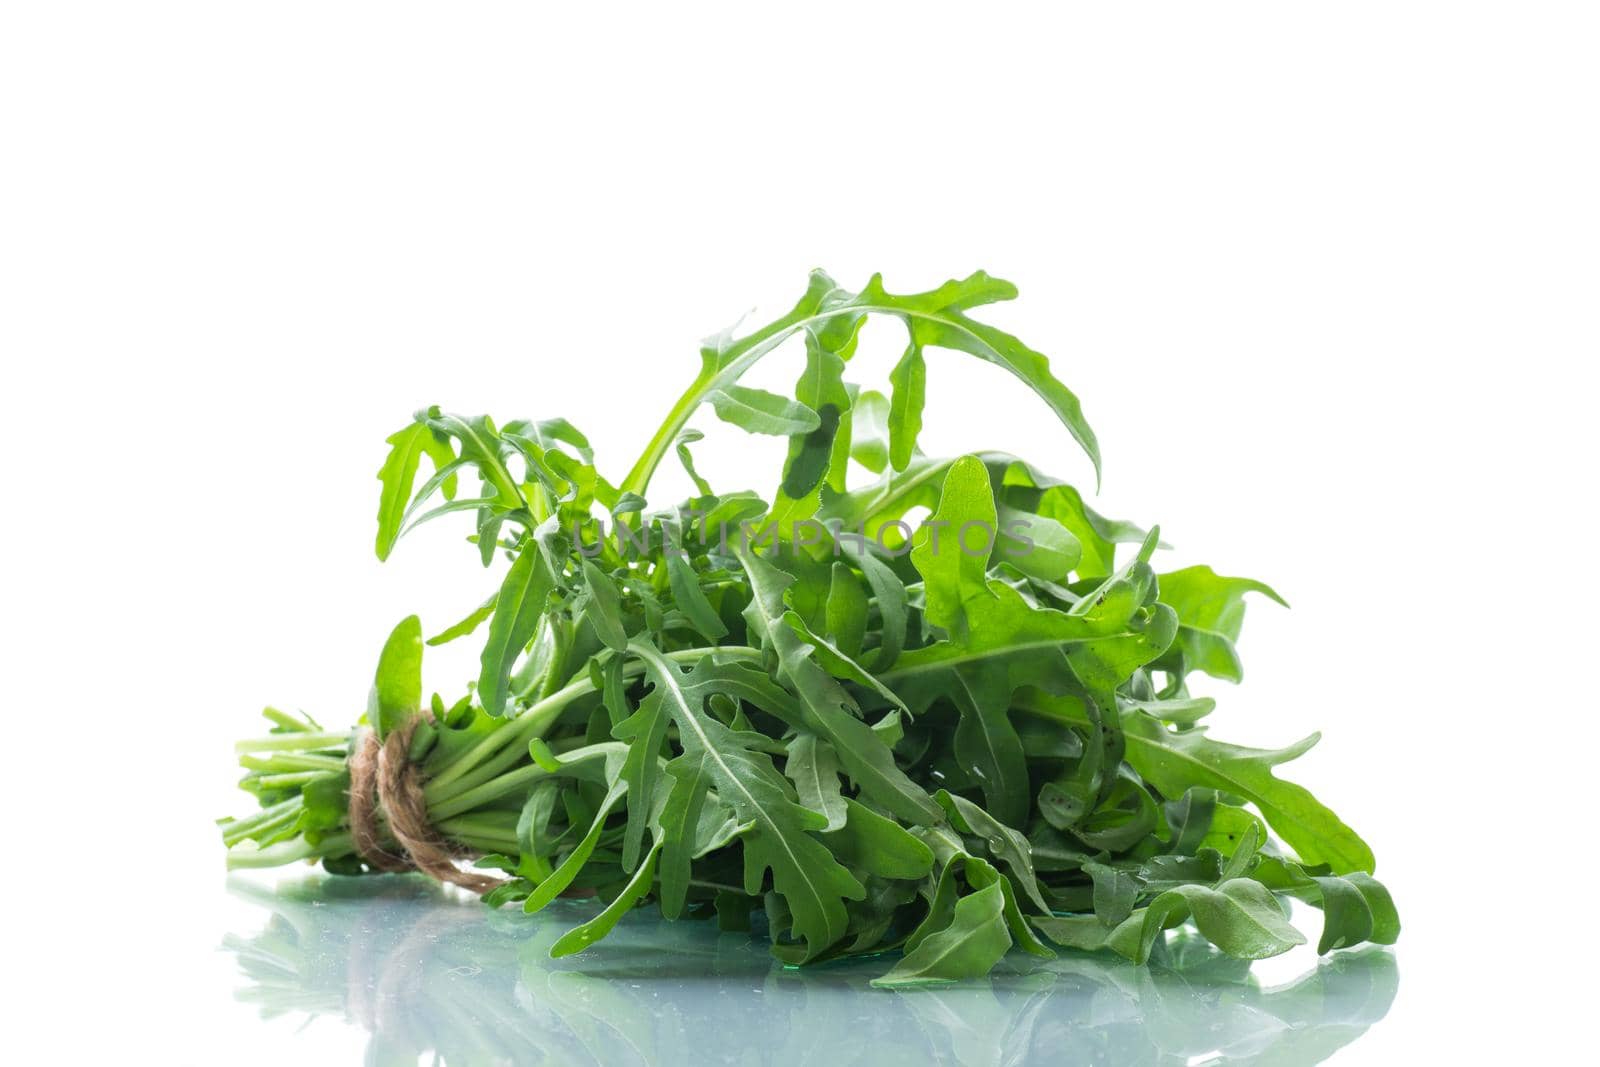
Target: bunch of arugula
x=943, y=744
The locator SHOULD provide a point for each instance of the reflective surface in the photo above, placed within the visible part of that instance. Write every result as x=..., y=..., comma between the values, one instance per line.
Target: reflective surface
x=440, y=979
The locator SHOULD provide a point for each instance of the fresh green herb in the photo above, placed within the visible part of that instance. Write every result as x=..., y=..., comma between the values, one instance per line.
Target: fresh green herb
x=945, y=740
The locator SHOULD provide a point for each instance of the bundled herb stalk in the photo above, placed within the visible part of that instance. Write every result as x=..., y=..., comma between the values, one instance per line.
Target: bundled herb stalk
x=949, y=738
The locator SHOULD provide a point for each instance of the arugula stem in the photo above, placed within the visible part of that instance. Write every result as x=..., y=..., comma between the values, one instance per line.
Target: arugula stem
x=493, y=789
x=485, y=792
x=291, y=761
x=484, y=843
x=472, y=831
x=721, y=886
x=293, y=742
x=286, y=781
x=479, y=764
x=512, y=781
x=239, y=829
x=285, y=852
x=288, y=722
x=739, y=357
x=638, y=479
x=279, y=822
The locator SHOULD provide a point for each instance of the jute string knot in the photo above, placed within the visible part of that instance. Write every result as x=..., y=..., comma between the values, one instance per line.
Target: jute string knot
x=383, y=778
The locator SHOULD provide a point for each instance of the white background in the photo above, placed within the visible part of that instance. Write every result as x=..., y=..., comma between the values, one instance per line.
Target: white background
x=1324, y=279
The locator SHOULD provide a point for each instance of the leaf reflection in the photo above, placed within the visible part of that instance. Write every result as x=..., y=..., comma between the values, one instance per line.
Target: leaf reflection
x=427, y=974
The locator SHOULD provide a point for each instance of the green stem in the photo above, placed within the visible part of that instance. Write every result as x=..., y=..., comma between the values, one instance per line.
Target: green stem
x=501, y=823
x=291, y=851
x=501, y=785
x=485, y=844
x=293, y=742
x=472, y=833
x=638, y=479
x=493, y=789
x=287, y=781
x=287, y=721
x=239, y=829
x=722, y=887
x=738, y=358
x=291, y=761
x=481, y=763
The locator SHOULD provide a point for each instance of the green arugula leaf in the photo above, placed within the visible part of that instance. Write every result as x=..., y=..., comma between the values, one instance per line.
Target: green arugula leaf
x=518, y=606
x=1114, y=893
x=1210, y=611
x=757, y=411
x=1355, y=907
x=397, y=688
x=804, y=872
x=645, y=732
x=1007, y=643
x=967, y=948
x=909, y=380
x=980, y=875
x=837, y=663
x=1037, y=546
x=581, y=937
x=869, y=430
x=1005, y=844
x=878, y=845
x=1241, y=917
x=846, y=612
x=813, y=767
x=826, y=709
x=813, y=454
x=686, y=458
x=938, y=319
x=399, y=474
x=831, y=318
x=603, y=607
x=889, y=594
x=1174, y=762
x=687, y=594
x=562, y=878
x=954, y=573
x=479, y=616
